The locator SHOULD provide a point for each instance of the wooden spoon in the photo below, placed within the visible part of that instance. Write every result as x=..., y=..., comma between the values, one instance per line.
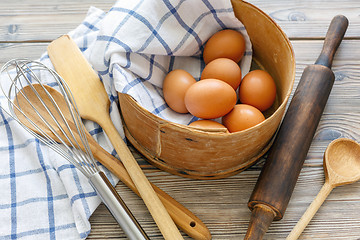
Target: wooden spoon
x=184, y=219
x=93, y=104
x=341, y=166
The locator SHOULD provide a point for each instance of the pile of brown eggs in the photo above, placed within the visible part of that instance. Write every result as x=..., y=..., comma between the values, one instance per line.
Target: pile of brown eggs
x=214, y=96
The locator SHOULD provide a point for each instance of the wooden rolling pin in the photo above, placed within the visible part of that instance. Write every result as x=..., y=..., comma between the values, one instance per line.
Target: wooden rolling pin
x=278, y=177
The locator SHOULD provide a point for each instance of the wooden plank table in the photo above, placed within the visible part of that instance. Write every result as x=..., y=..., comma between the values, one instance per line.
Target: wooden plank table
x=27, y=27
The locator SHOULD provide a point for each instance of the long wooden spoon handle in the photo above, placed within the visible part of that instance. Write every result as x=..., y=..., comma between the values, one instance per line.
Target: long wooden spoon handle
x=310, y=212
x=182, y=217
x=152, y=201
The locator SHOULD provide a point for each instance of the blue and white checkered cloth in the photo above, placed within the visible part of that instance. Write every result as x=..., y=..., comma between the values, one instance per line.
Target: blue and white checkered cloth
x=132, y=47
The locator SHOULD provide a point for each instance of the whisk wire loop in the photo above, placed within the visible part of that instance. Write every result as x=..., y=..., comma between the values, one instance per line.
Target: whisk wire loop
x=55, y=121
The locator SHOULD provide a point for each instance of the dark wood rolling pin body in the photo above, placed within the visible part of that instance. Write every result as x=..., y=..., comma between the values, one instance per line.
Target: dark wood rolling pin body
x=278, y=177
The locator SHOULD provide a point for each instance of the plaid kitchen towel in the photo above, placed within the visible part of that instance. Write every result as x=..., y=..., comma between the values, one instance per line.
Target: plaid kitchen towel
x=132, y=47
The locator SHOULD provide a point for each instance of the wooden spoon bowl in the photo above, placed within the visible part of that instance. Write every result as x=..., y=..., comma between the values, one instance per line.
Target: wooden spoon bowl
x=342, y=162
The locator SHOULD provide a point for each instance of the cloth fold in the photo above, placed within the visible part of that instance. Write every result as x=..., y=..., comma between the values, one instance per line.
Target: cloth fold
x=132, y=47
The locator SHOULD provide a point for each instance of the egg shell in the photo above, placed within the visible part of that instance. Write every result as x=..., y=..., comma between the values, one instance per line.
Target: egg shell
x=175, y=85
x=258, y=89
x=226, y=43
x=242, y=117
x=225, y=70
x=206, y=124
x=210, y=98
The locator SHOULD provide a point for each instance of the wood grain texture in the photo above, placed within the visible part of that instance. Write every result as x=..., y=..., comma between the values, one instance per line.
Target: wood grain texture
x=26, y=20
x=222, y=204
x=37, y=21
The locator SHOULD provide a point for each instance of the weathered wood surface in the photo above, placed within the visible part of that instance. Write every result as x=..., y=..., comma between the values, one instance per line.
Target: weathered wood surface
x=26, y=27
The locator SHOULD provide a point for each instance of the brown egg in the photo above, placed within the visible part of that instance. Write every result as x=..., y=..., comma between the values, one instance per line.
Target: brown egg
x=223, y=69
x=224, y=44
x=210, y=98
x=258, y=89
x=242, y=117
x=207, y=124
x=175, y=85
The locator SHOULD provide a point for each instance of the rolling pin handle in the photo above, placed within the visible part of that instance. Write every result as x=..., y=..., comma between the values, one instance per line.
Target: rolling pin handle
x=333, y=39
x=261, y=218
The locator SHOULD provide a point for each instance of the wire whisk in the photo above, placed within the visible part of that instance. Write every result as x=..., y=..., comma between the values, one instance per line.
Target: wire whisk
x=52, y=117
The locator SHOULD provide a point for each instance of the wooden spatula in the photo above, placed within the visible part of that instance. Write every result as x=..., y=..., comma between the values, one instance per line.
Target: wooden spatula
x=93, y=103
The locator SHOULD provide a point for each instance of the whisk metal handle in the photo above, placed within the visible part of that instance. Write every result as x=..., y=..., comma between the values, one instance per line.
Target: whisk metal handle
x=117, y=207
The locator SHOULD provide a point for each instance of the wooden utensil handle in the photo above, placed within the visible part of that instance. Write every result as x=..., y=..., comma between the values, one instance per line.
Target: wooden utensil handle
x=182, y=217
x=332, y=41
x=260, y=220
x=310, y=212
x=152, y=201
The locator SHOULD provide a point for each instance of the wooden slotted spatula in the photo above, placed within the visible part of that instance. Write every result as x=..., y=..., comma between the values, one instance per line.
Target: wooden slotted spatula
x=93, y=104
